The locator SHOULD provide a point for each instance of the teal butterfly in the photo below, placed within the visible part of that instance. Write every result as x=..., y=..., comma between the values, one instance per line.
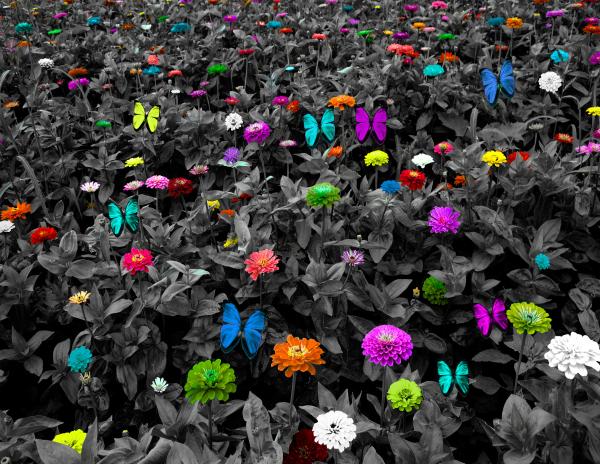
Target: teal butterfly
x=460, y=378
x=119, y=219
x=312, y=128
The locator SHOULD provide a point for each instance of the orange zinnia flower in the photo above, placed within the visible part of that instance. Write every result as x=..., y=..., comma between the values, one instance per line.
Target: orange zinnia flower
x=335, y=152
x=297, y=354
x=514, y=23
x=12, y=213
x=591, y=29
x=227, y=212
x=128, y=26
x=341, y=101
x=24, y=43
x=460, y=180
x=448, y=57
x=77, y=72
x=10, y=104
x=418, y=25
x=293, y=106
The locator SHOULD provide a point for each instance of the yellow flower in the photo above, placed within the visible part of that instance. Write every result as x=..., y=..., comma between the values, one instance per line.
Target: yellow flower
x=376, y=158
x=418, y=25
x=388, y=32
x=494, y=158
x=135, y=161
x=514, y=23
x=80, y=298
x=593, y=110
x=213, y=204
x=230, y=242
x=416, y=292
x=72, y=439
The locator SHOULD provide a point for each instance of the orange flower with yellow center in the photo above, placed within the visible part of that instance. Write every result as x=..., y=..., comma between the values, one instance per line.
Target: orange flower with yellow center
x=514, y=23
x=12, y=213
x=297, y=355
x=341, y=101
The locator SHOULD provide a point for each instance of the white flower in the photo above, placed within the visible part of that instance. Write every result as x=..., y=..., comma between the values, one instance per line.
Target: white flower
x=175, y=91
x=233, y=121
x=146, y=27
x=159, y=385
x=90, y=187
x=422, y=160
x=335, y=430
x=550, y=81
x=6, y=226
x=571, y=353
x=46, y=63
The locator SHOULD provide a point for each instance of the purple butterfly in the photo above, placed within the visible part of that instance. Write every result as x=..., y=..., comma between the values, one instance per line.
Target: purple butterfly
x=364, y=125
x=485, y=319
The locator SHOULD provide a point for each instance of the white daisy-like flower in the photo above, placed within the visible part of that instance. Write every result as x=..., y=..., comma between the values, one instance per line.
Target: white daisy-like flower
x=46, y=63
x=550, y=81
x=422, y=160
x=175, y=91
x=572, y=353
x=335, y=430
x=288, y=143
x=159, y=385
x=146, y=27
x=90, y=187
x=6, y=227
x=233, y=121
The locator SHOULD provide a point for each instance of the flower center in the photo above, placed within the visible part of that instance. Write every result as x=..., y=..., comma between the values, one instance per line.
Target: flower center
x=386, y=337
x=138, y=257
x=297, y=351
x=210, y=377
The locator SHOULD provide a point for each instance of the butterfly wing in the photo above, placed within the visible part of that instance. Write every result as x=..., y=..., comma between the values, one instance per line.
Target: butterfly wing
x=231, y=327
x=363, y=124
x=117, y=220
x=446, y=380
x=461, y=377
x=152, y=118
x=380, y=124
x=483, y=318
x=132, y=220
x=507, y=79
x=499, y=314
x=253, y=331
x=328, y=124
x=490, y=85
x=311, y=129
x=139, y=115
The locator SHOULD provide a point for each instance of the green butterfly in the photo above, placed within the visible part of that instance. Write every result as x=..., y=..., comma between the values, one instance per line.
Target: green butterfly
x=460, y=378
x=119, y=219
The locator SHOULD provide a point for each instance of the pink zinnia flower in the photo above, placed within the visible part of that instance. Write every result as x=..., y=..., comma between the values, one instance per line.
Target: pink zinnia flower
x=261, y=262
x=157, y=182
x=198, y=170
x=257, y=132
x=281, y=100
x=443, y=148
x=443, y=219
x=133, y=185
x=83, y=82
x=137, y=260
x=438, y=5
x=387, y=345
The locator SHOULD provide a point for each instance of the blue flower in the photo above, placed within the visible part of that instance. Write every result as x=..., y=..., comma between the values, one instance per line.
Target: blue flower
x=23, y=28
x=542, y=261
x=94, y=21
x=391, y=187
x=152, y=70
x=497, y=21
x=273, y=24
x=559, y=56
x=80, y=359
x=433, y=70
x=178, y=28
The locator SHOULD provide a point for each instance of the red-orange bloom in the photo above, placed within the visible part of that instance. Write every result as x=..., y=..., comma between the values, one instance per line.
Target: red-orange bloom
x=42, y=234
x=563, y=138
x=448, y=57
x=317, y=36
x=12, y=213
x=591, y=29
x=335, y=152
x=342, y=101
x=78, y=72
x=227, y=213
x=261, y=262
x=412, y=179
x=293, y=106
x=297, y=355
x=513, y=156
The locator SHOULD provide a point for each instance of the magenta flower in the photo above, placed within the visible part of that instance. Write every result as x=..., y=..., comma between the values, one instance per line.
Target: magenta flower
x=83, y=82
x=157, y=182
x=554, y=13
x=230, y=19
x=443, y=219
x=596, y=134
x=412, y=7
x=387, y=345
x=281, y=100
x=594, y=58
x=443, y=148
x=353, y=258
x=197, y=93
x=257, y=132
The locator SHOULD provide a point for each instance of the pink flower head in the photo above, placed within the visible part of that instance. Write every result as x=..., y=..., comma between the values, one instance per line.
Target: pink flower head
x=429, y=29
x=411, y=7
x=280, y=100
x=153, y=60
x=230, y=19
x=443, y=219
x=596, y=134
x=257, y=132
x=198, y=170
x=387, y=345
x=60, y=15
x=83, y=82
x=438, y=5
x=261, y=262
x=137, y=260
x=157, y=182
x=133, y=185
x=443, y=148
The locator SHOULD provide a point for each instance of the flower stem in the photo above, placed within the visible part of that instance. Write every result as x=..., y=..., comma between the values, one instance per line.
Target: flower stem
x=292, y=398
x=383, y=401
x=210, y=425
x=323, y=228
x=524, y=338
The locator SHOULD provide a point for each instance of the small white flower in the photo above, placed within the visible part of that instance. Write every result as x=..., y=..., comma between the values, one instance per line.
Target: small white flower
x=335, y=430
x=159, y=385
x=46, y=63
x=233, y=121
x=6, y=226
x=90, y=187
x=175, y=91
x=550, y=81
x=288, y=143
x=146, y=27
x=572, y=353
x=422, y=160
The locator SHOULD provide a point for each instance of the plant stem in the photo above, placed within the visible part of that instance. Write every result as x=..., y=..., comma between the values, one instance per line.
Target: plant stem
x=524, y=338
x=383, y=401
x=323, y=228
x=210, y=425
x=292, y=398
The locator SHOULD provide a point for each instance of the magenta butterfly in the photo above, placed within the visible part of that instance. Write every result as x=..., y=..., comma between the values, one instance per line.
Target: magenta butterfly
x=364, y=124
x=485, y=319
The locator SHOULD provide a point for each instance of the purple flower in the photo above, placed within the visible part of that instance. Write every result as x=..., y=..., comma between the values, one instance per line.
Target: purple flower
x=353, y=258
x=594, y=58
x=344, y=30
x=387, y=345
x=411, y=7
x=353, y=21
x=157, y=182
x=554, y=13
x=591, y=147
x=83, y=82
x=280, y=100
x=257, y=132
x=443, y=219
x=197, y=93
x=230, y=19
x=401, y=35
x=231, y=155
x=593, y=21
x=203, y=83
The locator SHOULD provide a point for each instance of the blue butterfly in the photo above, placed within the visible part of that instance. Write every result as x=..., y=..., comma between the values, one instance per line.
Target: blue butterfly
x=312, y=129
x=493, y=85
x=250, y=335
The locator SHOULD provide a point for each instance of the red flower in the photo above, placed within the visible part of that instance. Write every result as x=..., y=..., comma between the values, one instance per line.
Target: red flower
x=412, y=179
x=180, y=186
x=304, y=450
x=293, y=106
x=286, y=30
x=137, y=260
x=513, y=156
x=242, y=197
x=175, y=73
x=563, y=138
x=42, y=234
x=229, y=213
x=261, y=262
x=246, y=52
x=317, y=36
x=232, y=101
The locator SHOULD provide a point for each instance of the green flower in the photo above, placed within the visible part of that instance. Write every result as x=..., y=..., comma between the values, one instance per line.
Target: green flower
x=530, y=318
x=216, y=69
x=405, y=395
x=364, y=32
x=103, y=123
x=208, y=380
x=446, y=36
x=322, y=194
x=434, y=291
x=162, y=19
x=54, y=31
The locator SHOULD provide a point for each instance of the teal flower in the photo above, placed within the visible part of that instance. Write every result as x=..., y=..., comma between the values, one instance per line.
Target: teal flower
x=494, y=22
x=23, y=28
x=559, y=56
x=433, y=70
x=542, y=261
x=80, y=359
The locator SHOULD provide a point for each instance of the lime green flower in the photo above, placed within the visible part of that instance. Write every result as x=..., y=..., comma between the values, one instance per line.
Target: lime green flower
x=230, y=242
x=216, y=69
x=103, y=123
x=434, y=291
x=322, y=194
x=446, y=36
x=530, y=318
x=208, y=380
x=405, y=395
x=72, y=439
x=54, y=31
x=135, y=161
x=377, y=158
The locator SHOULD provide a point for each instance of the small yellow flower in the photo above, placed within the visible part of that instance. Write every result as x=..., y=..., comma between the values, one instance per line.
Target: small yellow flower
x=230, y=242
x=416, y=292
x=135, y=161
x=388, y=32
x=72, y=439
x=376, y=158
x=494, y=158
x=213, y=204
x=80, y=298
x=593, y=110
